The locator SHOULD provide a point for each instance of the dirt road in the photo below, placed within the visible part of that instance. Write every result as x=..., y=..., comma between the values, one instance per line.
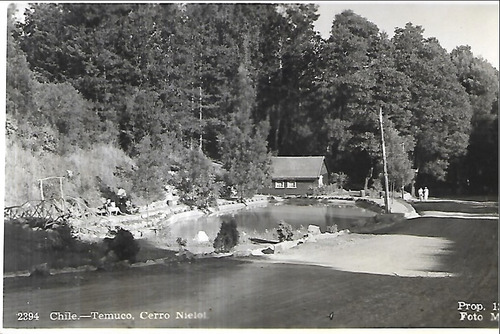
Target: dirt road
x=228, y=293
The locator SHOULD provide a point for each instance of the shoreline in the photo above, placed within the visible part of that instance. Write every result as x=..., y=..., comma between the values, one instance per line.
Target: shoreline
x=146, y=229
x=150, y=220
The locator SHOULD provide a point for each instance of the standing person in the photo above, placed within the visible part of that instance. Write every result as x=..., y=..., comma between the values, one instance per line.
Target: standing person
x=426, y=194
x=420, y=194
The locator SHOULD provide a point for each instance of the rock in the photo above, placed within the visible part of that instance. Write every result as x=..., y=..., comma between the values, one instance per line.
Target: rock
x=268, y=250
x=313, y=230
x=40, y=270
x=346, y=231
x=185, y=255
x=312, y=238
x=201, y=237
x=263, y=251
x=282, y=246
x=243, y=252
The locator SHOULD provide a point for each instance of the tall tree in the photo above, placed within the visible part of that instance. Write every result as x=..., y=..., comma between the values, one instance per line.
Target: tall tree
x=480, y=80
x=285, y=88
x=196, y=180
x=441, y=112
x=243, y=144
x=155, y=161
x=20, y=80
x=353, y=64
x=65, y=110
x=399, y=166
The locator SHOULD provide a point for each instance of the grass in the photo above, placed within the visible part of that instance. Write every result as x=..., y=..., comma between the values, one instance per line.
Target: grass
x=26, y=248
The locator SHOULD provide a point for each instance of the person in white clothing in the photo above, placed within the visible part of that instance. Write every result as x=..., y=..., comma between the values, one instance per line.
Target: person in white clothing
x=426, y=194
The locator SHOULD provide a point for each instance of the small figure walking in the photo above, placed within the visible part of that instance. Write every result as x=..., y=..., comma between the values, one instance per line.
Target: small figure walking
x=420, y=194
x=426, y=194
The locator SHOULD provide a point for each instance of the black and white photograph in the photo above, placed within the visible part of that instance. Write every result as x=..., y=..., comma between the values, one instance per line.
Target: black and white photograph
x=249, y=166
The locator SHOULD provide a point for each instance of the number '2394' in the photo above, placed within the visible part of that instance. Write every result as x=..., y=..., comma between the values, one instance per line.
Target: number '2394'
x=27, y=316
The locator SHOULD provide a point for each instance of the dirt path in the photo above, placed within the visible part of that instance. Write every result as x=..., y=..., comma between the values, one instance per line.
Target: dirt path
x=397, y=255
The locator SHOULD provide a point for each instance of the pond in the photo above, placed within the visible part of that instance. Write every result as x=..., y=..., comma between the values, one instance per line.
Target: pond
x=261, y=222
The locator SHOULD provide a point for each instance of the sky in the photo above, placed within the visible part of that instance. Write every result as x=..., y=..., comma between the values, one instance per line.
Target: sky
x=453, y=23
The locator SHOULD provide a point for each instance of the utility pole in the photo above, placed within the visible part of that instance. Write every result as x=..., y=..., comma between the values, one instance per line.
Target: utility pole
x=201, y=120
x=386, y=179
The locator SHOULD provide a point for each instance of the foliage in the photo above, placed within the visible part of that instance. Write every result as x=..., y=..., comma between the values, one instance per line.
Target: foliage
x=227, y=237
x=89, y=172
x=181, y=242
x=243, y=146
x=440, y=107
x=154, y=161
x=399, y=166
x=330, y=189
x=480, y=80
x=156, y=80
x=285, y=231
x=340, y=179
x=123, y=244
x=332, y=228
x=196, y=180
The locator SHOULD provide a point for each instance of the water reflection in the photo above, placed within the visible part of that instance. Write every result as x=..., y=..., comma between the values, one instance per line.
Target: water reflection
x=261, y=222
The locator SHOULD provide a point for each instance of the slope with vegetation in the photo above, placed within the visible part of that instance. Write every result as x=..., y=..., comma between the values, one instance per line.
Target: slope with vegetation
x=139, y=96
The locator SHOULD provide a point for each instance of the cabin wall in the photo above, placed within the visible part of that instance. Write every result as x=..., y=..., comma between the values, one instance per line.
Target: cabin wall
x=302, y=188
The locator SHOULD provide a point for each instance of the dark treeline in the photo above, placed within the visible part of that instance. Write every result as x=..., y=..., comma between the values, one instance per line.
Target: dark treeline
x=181, y=84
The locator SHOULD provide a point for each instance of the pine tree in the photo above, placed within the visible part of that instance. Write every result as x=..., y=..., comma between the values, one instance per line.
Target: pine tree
x=243, y=144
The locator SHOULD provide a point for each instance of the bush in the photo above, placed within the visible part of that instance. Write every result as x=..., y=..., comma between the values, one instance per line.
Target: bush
x=227, y=237
x=181, y=242
x=332, y=228
x=196, y=181
x=123, y=245
x=285, y=231
x=91, y=168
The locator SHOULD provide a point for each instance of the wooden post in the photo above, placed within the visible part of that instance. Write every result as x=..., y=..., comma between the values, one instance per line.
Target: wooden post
x=41, y=189
x=201, y=120
x=62, y=194
x=386, y=179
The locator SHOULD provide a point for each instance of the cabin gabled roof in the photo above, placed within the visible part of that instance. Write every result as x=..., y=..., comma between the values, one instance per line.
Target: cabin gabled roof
x=287, y=168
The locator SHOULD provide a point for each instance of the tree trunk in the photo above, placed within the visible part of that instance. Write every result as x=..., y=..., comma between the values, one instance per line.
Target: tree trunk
x=367, y=178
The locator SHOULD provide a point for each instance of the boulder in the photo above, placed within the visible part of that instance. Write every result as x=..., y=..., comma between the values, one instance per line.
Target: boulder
x=201, y=237
x=40, y=270
x=185, y=255
x=263, y=251
x=282, y=246
x=312, y=238
x=313, y=230
x=268, y=250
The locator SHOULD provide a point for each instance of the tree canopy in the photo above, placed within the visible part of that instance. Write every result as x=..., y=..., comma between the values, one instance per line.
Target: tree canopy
x=238, y=82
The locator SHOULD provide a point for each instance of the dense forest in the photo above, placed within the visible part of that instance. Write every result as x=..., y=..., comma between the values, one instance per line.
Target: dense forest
x=140, y=96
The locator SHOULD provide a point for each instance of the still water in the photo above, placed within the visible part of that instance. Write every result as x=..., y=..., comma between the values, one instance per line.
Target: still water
x=261, y=222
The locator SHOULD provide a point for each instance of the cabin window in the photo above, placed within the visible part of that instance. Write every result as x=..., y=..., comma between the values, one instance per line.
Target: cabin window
x=279, y=184
x=291, y=184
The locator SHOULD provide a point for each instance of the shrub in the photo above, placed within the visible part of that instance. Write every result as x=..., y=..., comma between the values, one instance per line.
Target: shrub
x=196, y=181
x=332, y=228
x=227, y=237
x=181, y=242
x=123, y=245
x=285, y=231
x=91, y=168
